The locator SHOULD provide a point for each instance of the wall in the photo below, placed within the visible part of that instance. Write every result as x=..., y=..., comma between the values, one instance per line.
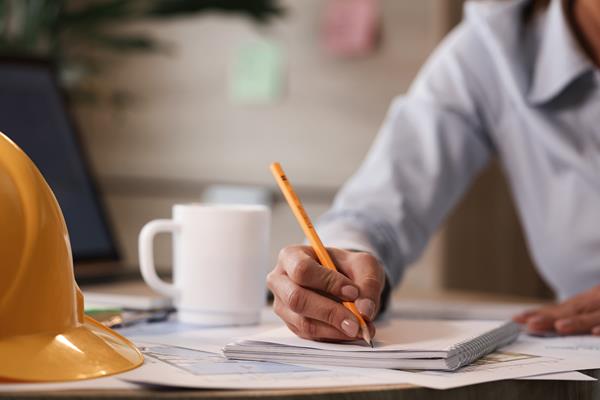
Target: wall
x=179, y=131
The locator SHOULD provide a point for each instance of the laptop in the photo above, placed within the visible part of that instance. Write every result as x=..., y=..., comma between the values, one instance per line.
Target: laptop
x=34, y=115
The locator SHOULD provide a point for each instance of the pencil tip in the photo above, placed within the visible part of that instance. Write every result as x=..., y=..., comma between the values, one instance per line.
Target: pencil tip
x=367, y=336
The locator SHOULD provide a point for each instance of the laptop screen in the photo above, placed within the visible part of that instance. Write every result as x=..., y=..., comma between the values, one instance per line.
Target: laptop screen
x=33, y=115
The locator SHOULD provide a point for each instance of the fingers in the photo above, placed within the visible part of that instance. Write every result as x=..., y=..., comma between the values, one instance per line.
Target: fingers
x=524, y=316
x=580, y=314
x=308, y=328
x=366, y=272
x=312, y=329
x=540, y=323
x=538, y=320
x=543, y=318
x=300, y=265
x=292, y=298
x=584, y=323
x=307, y=294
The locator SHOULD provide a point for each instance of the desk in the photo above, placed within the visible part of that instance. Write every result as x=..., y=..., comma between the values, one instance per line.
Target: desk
x=510, y=389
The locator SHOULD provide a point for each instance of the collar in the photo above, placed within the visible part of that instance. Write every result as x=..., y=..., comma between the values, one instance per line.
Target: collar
x=560, y=59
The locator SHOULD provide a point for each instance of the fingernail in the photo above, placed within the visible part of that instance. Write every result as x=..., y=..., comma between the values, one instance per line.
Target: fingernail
x=366, y=307
x=563, y=324
x=522, y=316
x=596, y=331
x=349, y=292
x=537, y=319
x=350, y=327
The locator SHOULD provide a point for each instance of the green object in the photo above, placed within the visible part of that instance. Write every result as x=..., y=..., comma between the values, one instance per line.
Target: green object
x=99, y=310
x=257, y=75
x=56, y=29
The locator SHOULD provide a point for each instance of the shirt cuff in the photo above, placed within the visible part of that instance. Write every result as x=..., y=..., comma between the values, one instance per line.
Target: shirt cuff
x=344, y=235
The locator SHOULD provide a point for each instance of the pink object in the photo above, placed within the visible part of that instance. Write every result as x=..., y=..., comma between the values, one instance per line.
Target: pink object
x=351, y=27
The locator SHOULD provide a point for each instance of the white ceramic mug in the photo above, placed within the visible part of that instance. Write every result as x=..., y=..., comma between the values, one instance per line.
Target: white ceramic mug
x=220, y=256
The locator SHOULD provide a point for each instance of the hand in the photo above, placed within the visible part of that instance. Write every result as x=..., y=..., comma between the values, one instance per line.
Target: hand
x=307, y=295
x=578, y=315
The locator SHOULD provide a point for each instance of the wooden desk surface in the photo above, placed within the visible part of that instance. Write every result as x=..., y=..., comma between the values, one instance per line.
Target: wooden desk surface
x=509, y=389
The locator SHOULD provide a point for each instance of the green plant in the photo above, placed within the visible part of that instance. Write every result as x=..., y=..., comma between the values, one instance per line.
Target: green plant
x=51, y=28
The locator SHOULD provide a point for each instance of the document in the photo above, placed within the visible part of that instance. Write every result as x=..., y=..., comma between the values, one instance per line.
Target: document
x=181, y=355
x=175, y=366
x=183, y=367
x=513, y=361
x=516, y=361
x=194, y=337
x=561, y=376
x=563, y=346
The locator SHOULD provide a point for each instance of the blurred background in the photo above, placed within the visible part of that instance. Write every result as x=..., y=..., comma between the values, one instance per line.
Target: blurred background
x=183, y=101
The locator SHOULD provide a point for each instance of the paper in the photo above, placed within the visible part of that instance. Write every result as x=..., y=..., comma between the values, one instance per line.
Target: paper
x=511, y=362
x=182, y=367
x=183, y=355
x=393, y=335
x=170, y=363
x=399, y=343
x=194, y=337
x=525, y=364
x=257, y=73
x=570, y=347
x=351, y=28
x=179, y=367
x=204, y=363
x=561, y=376
x=431, y=309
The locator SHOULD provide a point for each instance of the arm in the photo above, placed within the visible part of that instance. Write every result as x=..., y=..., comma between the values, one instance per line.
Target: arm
x=431, y=145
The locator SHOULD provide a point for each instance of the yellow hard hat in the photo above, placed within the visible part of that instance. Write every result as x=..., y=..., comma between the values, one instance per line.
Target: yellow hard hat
x=44, y=335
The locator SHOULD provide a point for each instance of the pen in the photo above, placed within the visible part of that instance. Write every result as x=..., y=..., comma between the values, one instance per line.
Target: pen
x=311, y=234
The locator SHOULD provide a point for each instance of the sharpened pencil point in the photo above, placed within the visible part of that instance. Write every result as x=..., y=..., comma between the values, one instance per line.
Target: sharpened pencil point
x=366, y=335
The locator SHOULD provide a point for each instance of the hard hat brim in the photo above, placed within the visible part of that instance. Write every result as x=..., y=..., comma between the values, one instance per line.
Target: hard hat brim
x=89, y=350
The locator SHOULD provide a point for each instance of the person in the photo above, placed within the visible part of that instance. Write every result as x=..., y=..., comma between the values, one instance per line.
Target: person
x=517, y=79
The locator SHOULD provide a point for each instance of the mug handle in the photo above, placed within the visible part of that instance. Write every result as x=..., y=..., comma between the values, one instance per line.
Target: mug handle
x=146, y=253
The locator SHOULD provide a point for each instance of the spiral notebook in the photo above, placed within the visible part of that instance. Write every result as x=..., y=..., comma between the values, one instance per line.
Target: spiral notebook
x=399, y=344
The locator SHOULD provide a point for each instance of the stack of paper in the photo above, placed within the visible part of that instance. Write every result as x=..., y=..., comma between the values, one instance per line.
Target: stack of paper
x=180, y=355
x=400, y=344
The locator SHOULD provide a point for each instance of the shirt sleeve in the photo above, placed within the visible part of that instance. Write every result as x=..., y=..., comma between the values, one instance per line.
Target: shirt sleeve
x=431, y=145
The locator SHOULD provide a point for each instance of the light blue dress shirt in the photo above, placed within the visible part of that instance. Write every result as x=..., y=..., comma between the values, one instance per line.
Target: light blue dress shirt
x=525, y=92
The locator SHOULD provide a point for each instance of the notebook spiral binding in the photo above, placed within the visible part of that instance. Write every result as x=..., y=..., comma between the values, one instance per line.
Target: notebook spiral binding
x=471, y=349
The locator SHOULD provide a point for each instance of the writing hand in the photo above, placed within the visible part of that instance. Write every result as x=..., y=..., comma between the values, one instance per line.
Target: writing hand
x=307, y=295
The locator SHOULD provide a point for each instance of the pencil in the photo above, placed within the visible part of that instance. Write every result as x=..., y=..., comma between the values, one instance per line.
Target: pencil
x=315, y=241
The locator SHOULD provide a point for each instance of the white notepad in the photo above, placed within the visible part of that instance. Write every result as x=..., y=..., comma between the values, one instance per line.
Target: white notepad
x=399, y=344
